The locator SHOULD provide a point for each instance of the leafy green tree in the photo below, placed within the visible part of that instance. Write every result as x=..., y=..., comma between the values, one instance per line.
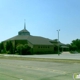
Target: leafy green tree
x=9, y=47
x=19, y=48
x=26, y=49
x=23, y=49
x=1, y=47
x=75, y=45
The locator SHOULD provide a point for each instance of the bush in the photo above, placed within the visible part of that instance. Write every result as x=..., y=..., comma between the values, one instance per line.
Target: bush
x=73, y=52
x=8, y=52
x=9, y=47
x=24, y=49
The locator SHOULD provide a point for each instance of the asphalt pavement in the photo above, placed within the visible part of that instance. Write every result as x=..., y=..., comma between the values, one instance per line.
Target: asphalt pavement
x=37, y=70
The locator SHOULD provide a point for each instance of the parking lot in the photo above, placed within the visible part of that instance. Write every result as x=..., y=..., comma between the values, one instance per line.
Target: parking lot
x=12, y=69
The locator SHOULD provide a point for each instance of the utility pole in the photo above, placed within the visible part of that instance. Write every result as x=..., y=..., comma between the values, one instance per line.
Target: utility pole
x=58, y=41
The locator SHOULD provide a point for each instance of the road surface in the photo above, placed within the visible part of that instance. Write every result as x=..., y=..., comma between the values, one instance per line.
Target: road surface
x=37, y=70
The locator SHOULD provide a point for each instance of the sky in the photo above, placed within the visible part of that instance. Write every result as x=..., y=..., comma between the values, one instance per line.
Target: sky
x=43, y=18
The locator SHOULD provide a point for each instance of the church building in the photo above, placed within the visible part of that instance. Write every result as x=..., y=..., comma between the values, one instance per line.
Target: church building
x=37, y=43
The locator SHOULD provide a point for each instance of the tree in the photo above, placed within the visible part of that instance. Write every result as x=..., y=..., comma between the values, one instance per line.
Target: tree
x=1, y=47
x=19, y=48
x=23, y=49
x=9, y=47
x=75, y=45
x=26, y=49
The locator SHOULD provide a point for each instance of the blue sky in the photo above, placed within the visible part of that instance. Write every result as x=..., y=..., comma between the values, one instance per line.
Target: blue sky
x=43, y=18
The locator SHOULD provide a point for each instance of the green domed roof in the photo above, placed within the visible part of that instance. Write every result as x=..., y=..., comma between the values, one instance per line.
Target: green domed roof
x=24, y=32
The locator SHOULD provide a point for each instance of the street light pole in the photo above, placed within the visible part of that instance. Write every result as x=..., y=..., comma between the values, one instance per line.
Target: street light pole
x=58, y=40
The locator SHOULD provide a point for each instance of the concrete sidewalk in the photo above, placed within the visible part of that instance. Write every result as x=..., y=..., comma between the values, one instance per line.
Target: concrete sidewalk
x=53, y=56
